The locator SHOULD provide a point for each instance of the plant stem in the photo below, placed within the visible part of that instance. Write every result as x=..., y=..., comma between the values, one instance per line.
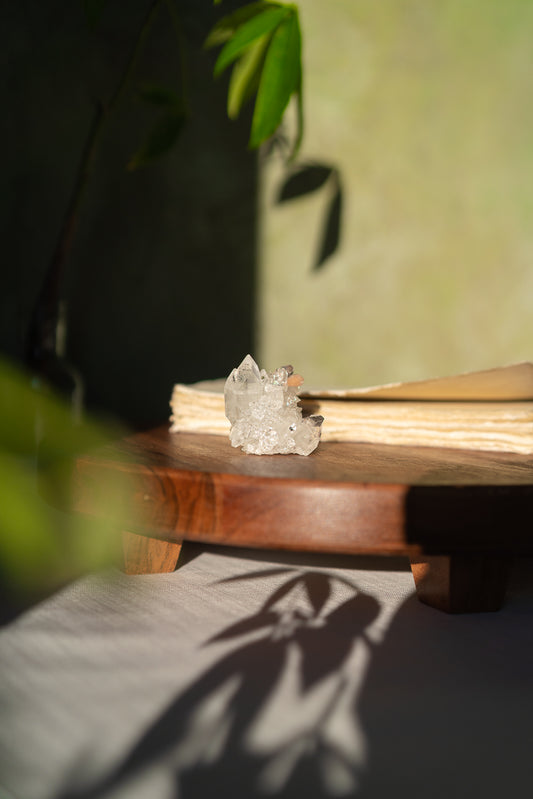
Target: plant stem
x=41, y=340
x=176, y=24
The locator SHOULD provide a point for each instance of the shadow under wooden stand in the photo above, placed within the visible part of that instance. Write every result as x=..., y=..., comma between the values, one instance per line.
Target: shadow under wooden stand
x=461, y=583
x=459, y=515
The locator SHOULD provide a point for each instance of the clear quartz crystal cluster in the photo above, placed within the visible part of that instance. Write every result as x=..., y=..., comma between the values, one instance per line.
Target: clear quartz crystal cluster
x=264, y=412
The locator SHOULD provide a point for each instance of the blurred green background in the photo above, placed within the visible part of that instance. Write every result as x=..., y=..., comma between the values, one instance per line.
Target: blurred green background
x=425, y=108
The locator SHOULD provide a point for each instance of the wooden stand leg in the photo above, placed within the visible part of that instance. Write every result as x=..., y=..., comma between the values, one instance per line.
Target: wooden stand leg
x=144, y=555
x=461, y=583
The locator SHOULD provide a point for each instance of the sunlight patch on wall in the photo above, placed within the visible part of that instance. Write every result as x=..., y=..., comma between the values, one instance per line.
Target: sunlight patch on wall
x=424, y=107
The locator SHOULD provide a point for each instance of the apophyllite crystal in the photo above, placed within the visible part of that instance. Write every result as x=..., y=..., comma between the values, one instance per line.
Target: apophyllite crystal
x=263, y=410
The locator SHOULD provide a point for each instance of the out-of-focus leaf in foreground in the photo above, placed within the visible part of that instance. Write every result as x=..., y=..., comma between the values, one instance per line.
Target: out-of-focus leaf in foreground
x=43, y=541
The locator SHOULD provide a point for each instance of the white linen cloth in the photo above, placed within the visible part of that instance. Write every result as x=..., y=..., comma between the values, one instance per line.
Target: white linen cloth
x=259, y=674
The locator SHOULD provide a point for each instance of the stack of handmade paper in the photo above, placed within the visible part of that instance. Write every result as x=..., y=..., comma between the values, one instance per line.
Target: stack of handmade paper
x=487, y=410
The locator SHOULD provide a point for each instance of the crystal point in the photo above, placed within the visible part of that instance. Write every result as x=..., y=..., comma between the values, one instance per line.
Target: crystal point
x=264, y=412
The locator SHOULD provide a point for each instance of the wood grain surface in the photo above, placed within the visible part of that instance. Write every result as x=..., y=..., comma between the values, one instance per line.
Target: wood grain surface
x=343, y=498
x=331, y=462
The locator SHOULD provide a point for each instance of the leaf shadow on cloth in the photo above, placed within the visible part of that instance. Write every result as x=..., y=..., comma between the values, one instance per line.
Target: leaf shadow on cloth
x=273, y=716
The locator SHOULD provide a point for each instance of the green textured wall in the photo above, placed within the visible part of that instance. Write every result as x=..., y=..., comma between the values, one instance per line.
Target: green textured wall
x=425, y=107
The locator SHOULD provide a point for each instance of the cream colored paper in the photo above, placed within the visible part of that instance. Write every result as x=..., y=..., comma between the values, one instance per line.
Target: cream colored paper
x=488, y=410
x=514, y=382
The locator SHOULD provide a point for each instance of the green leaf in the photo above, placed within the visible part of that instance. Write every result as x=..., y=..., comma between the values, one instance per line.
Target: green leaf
x=280, y=78
x=226, y=27
x=28, y=534
x=245, y=76
x=40, y=544
x=157, y=94
x=299, y=120
x=263, y=23
x=159, y=141
x=22, y=400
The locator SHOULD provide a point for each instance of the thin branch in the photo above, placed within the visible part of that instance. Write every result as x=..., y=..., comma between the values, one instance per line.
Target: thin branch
x=178, y=30
x=42, y=330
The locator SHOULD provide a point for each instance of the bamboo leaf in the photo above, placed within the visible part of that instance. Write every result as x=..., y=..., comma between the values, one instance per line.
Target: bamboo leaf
x=40, y=544
x=299, y=119
x=226, y=27
x=159, y=141
x=21, y=400
x=265, y=22
x=280, y=78
x=157, y=94
x=29, y=539
x=245, y=76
